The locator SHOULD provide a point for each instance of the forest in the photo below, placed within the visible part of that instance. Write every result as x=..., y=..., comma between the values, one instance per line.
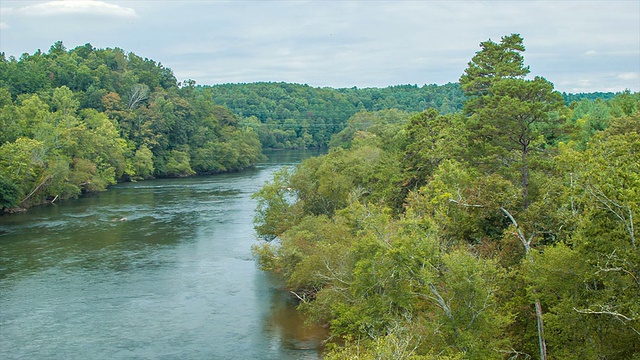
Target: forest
x=77, y=121
x=505, y=230
x=296, y=116
x=299, y=116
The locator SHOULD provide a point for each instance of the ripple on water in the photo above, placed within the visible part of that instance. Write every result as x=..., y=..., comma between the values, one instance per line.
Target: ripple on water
x=174, y=280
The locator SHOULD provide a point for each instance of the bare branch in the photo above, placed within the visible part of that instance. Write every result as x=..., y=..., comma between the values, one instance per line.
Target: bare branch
x=604, y=311
x=485, y=306
x=459, y=202
x=526, y=243
x=139, y=93
x=45, y=181
x=302, y=298
x=332, y=273
x=541, y=339
x=611, y=265
x=514, y=354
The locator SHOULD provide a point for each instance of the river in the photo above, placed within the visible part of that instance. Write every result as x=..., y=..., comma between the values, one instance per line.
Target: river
x=158, y=269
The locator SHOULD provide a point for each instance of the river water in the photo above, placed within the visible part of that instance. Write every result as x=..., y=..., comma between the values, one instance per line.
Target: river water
x=174, y=280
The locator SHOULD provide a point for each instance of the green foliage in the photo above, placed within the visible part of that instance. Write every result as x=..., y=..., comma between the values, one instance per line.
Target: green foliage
x=275, y=211
x=571, y=98
x=99, y=116
x=505, y=232
x=384, y=124
x=465, y=204
x=9, y=193
x=299, y=116
x=604, y=195
x=178, y=164
x=493, y=63
x=431, y=139
x=141, y=165
x=22, y=164
x=512, y=127
x=399, y=345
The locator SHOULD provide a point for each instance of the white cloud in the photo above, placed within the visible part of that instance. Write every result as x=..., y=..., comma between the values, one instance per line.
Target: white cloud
x=77, y=7
x=629, y=76
x=342, y=43
x=4, y=26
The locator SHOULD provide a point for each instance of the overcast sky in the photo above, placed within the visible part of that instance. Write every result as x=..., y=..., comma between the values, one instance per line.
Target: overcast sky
x=580, y=46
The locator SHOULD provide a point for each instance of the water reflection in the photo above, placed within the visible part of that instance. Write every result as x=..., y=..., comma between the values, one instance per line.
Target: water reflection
x=289, y=327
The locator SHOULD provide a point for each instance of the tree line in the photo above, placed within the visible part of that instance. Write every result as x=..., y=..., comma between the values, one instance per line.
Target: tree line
x=505, y=230
x=76, y=121
x=300, y=116
x=297, y=116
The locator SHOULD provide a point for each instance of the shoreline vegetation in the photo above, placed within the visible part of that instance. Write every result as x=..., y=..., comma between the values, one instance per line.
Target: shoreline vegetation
x=505, y=230
x=76, y=121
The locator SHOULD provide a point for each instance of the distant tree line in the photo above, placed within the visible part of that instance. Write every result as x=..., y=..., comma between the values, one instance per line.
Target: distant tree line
x=299, y=116
x=289, y=115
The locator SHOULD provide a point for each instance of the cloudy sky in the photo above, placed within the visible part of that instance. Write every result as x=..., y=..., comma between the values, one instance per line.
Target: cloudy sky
x=579, y=45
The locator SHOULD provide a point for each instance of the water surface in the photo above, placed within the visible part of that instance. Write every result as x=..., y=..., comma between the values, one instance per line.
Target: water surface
x=157, y=269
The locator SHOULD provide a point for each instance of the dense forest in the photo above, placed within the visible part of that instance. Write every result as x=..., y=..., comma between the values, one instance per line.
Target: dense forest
x=504, y=230
x=76, y=121
x=299, y=116
x=80, y=120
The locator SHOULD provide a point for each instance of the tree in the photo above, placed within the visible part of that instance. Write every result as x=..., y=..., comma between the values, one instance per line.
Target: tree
x=178, y=164
x=142, y=163
x=138, y=94
x=9, y=194
x=512, y=126
x=431, y=139
x=491, y=64
x=21, y=168
x=276, y=212
x=510, y=121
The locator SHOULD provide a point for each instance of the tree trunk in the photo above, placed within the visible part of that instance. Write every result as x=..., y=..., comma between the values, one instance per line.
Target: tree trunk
x=541, y=341
x=527, y=247
x=525, y=178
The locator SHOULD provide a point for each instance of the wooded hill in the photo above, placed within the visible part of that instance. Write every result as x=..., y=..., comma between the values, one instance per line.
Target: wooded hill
x=78, y=120
x=507, y=230
x=299, y=116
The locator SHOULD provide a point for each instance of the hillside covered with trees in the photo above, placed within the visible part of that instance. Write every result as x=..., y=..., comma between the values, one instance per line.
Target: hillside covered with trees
x=79, y=120
x=505, y=230
x=299, y=116
x=76, y=121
